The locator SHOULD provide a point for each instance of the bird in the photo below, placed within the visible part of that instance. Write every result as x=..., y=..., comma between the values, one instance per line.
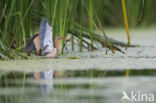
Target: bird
x=42, y=44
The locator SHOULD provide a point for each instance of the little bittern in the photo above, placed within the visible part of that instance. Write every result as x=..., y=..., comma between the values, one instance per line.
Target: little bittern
x=42, y=43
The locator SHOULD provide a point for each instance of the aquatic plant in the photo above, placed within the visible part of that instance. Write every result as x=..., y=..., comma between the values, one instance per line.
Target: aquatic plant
x=19, y=20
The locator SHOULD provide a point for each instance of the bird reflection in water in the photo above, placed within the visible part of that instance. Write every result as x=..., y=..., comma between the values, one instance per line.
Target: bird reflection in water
x=46, y=83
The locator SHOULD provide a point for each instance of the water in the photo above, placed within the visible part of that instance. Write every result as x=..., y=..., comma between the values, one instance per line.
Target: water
x=83, y=87
x=92, y=77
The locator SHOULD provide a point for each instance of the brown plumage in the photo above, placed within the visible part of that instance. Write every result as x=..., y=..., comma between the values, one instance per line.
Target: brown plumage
x=34, y=45
x=42, y=43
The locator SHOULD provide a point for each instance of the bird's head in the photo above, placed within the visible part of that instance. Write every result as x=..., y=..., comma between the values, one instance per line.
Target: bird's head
x=57, y=42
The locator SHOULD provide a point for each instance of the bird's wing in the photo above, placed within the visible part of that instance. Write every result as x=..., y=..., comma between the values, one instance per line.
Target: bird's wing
x=45, y=37
x=33, y=44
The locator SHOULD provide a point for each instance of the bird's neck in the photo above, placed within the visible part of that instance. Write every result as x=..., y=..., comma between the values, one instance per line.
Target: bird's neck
x=57, y=46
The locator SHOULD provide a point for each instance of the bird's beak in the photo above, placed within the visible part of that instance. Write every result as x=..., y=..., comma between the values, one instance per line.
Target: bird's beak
x=64, y=39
